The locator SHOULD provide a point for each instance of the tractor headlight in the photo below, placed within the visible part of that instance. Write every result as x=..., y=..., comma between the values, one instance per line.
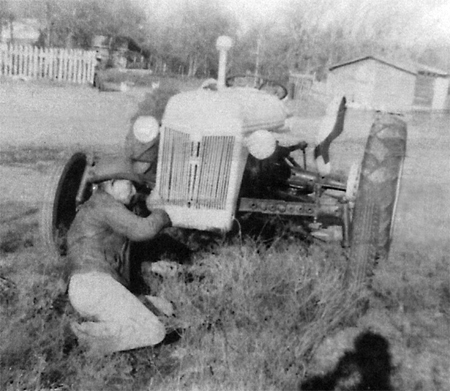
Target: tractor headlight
x=261, y=144
x=145, y=129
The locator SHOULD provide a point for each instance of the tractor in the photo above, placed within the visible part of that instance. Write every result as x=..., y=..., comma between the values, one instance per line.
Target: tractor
x=214, y=159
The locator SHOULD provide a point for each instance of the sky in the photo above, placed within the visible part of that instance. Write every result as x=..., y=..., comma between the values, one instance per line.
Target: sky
x=431, y=18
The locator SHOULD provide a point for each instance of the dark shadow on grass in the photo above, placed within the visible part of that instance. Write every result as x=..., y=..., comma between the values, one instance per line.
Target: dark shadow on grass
x=367, y=367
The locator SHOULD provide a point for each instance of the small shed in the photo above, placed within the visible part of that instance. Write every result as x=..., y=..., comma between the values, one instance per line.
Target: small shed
x=431, y=88
x=299, y=85
x=374, y=83
x=24, y=31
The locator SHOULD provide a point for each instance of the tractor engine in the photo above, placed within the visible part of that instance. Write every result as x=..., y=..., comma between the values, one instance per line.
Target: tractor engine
x=205, y=140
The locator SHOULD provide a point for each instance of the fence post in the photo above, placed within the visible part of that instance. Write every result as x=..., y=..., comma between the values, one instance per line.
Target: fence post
x=66, y=66
x=13, y=60
x=2, y=58
x=35, y=61
x=19, y=60
x=77, y=66
x=39, y=63
x=22, y=60
x=46, y=67
x=50, y=64
x=26, y=58
x=8, y=61
x=82, y=61
x=59, y=64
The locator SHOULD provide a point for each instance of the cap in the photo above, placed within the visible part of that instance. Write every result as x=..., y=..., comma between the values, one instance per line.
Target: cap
x=114, y=167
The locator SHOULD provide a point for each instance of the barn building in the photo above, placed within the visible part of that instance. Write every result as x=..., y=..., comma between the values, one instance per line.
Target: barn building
x=376, y=83
x=373, y=83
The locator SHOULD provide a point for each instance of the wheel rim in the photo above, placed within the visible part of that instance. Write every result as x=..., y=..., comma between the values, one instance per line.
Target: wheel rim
x=397, y=192
x=353, y=180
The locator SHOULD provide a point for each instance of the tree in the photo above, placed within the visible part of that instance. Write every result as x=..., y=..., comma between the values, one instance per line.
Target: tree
x=7, y=17
x=305, y=36
x=73, y=23
x=187, y=42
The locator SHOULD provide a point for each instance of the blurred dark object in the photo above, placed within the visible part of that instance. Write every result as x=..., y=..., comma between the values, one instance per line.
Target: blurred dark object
x=367, y=367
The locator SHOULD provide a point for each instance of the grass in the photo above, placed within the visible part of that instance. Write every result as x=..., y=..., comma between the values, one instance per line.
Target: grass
x=259, y=316
x=246, y=307
x=255, y=316
x=15, y=155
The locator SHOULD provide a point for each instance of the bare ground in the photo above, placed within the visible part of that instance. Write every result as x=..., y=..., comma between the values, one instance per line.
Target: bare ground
x=48, y=116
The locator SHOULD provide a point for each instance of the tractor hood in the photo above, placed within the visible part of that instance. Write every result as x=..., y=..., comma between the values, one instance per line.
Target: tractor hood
x=228, y=111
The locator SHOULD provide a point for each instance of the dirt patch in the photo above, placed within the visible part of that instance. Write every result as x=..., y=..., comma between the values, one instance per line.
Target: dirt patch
x=46, y=114
x=40, y=122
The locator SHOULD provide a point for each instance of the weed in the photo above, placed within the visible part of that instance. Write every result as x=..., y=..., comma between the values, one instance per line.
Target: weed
x=421, y=285
x=28, y=155
x=13, y=240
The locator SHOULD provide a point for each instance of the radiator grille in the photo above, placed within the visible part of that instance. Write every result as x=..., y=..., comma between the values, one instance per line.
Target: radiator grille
x=195, y=173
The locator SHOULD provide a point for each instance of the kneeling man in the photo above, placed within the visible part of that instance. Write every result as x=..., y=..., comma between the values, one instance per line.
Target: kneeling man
x=97, y=243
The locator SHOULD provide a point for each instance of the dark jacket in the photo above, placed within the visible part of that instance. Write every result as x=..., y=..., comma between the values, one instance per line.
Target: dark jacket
x=98, y=235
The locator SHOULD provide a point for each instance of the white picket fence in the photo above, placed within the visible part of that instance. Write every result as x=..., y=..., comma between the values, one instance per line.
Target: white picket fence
x=64, y=65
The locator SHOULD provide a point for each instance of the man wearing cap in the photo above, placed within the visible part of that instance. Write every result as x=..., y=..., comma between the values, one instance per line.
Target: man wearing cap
x=97, y=240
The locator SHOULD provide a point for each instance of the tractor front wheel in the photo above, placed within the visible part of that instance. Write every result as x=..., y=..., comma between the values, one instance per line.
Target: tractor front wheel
x=59, y=202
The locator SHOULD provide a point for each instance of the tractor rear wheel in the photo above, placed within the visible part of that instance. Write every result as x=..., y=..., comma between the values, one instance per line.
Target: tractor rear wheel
x=59, y=203
x=372, y=223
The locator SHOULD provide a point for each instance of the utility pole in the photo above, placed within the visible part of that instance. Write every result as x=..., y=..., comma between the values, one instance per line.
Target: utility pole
x=258, y=53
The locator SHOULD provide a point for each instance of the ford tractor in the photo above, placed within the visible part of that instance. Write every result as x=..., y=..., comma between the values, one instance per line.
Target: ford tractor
x=213, y=158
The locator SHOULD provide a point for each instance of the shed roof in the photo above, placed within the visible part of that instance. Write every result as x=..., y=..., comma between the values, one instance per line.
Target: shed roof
x=410, y=67
x=432, y=71
x=400, y=66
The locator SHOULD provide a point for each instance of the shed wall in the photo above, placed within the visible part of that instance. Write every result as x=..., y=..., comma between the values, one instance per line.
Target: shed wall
x=355, y=81
x=373, y=85
x=424, y=90
x=393, y=89
x=440, y=93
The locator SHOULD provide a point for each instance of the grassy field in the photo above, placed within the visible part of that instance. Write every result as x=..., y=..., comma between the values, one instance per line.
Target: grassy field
x=258, y=318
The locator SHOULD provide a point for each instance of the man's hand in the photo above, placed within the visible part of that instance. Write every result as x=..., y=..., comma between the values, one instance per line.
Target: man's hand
x=155, y=204
x=154, y=201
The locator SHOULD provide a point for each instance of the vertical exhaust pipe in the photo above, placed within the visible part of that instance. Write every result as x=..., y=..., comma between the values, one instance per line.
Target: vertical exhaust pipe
x=223, y=44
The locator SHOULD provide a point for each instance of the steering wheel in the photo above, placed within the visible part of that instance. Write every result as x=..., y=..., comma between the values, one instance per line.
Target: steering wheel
x=260, y=83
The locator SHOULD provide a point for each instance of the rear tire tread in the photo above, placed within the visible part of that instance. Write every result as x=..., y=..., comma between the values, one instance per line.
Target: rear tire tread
x=377, y=196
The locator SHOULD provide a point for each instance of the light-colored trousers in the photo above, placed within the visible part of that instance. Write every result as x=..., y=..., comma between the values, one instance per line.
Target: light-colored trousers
x=122, y=322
